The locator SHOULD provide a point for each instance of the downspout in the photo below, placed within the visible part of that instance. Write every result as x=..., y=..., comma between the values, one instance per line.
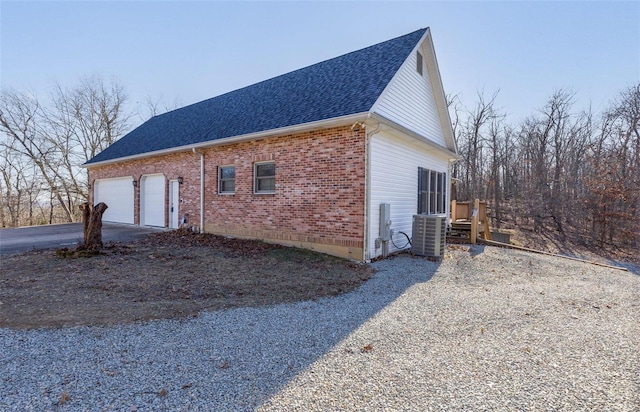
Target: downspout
x=196, y=151
x=367, y=196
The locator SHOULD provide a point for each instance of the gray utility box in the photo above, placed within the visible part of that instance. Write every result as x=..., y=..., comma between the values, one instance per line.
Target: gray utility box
x=428, y=235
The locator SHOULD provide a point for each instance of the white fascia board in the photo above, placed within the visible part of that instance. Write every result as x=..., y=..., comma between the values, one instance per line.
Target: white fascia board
x=438, y=91
x=320, y=124
x=394, y=127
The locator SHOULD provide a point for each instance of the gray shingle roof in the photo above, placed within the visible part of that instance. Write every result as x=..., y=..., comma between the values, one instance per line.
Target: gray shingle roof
x=341, y=86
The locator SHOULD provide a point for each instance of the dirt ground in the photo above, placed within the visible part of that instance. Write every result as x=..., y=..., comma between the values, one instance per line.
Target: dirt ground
x=166, y=275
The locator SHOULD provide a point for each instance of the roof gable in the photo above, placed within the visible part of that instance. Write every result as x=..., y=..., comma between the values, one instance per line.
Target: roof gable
x=415, y=100
x=345, y=85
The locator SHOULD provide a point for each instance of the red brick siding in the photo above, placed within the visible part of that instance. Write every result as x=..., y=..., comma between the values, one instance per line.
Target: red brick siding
x=181, y=164
x=319, y=196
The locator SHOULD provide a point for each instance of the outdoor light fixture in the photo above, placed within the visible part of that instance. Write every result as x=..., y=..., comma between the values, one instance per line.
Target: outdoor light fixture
x=180, y=180
x=135, y=183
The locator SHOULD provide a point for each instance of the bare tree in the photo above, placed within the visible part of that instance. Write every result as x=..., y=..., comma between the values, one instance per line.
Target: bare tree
x=20, y=121
x=557, y=169
x=83, y=121
x=154, y=106
x=80, y=122
x=613, y=182
x=472, y=136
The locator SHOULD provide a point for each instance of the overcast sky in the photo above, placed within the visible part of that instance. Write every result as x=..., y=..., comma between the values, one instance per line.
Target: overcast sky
x=185, y=52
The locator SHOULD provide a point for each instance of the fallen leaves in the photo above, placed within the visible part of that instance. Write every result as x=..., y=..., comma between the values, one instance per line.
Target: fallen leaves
x=367, y=348
x=64, y=397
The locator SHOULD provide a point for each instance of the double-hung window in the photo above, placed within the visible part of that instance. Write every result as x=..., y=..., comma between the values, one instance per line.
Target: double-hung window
x=264, y=177
x=432, y=192
x=226, y=179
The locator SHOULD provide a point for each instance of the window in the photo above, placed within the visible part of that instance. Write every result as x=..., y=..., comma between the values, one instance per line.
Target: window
x=226, y=179
x=432, y=192
x=265, y=177
x=419, y=62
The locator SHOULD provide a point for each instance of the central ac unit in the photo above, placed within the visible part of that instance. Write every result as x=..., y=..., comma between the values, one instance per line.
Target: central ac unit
x=428, y=235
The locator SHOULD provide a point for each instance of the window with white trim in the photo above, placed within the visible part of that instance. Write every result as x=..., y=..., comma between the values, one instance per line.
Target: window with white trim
x=226, y=179
x=264, y=177
x=432, y=192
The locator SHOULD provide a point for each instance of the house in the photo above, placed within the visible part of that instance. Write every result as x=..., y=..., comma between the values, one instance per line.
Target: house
x=303, y=159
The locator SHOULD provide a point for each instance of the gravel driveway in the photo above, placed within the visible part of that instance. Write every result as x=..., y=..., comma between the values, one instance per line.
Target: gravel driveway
x=488, y=329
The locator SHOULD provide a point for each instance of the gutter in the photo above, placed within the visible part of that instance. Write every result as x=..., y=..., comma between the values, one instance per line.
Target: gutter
x=333, y=122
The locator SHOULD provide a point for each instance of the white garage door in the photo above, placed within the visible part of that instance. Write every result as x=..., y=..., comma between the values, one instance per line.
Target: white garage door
x=152, y=200
x=118, y=195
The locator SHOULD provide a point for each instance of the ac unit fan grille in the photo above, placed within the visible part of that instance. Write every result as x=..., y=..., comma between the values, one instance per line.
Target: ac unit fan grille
x=428, y=235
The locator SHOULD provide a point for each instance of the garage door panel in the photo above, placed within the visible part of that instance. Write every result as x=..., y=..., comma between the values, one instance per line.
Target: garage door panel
x=152, y=198
x=117, y=194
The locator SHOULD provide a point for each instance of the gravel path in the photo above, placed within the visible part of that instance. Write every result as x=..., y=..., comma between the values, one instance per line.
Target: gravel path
x=488, y=329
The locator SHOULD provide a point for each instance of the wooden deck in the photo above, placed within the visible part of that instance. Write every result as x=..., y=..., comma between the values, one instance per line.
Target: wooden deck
x=470, y=219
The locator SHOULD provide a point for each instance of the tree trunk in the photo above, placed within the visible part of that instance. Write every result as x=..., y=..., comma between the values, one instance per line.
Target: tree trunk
x=85, y=208
x=92, y=225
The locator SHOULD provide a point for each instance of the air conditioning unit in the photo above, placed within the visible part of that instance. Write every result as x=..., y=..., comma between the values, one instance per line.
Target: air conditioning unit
x=428, y=235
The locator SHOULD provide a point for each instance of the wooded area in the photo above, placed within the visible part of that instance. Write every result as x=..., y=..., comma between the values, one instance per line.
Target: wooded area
x=43, y=144
x=561, y=169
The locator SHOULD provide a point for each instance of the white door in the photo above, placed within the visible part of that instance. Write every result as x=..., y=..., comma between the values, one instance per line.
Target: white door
x=152, y=200
x=117, y=194
x=174, y=201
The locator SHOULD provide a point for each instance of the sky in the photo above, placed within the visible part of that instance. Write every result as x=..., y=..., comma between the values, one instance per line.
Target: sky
x=184, y=52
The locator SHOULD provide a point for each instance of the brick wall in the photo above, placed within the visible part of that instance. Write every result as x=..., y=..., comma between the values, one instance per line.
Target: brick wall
x=319, y=198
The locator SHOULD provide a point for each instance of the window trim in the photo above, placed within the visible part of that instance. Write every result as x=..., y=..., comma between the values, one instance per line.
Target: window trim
x=256, y=178
x=220, y=180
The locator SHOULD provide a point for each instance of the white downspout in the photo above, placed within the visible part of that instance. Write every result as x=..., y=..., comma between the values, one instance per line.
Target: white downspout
x=196, y=151
x=367, y=197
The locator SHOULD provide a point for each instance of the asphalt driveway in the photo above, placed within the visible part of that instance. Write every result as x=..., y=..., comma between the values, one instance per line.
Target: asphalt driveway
x=23, y=239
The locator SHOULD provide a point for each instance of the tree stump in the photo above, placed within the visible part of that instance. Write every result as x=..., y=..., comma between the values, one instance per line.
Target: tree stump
x=86, y=214
x=92, y=225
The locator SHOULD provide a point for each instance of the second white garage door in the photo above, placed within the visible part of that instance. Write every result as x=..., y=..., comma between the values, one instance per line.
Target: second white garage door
x=152, y=200
x=118, y=195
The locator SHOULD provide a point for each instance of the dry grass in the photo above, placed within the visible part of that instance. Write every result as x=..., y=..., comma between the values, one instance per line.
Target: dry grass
x=166, y=275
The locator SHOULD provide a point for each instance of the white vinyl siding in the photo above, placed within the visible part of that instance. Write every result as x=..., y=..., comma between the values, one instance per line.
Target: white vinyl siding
x=393, y=179
x=117, y=194
x=409, y=101
x=152, y=200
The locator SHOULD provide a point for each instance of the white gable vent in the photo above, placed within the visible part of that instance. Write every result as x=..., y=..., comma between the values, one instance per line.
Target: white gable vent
x=419, y=62
x=428, y=235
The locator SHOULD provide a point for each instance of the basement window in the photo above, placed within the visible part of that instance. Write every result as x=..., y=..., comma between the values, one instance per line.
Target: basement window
x=432, y=192
x=419, y=60
x=264, y=177
x=226, y=179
